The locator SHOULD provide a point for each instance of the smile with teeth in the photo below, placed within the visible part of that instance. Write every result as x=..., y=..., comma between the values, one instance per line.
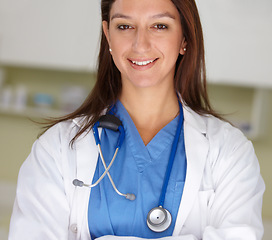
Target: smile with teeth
x=143, y=63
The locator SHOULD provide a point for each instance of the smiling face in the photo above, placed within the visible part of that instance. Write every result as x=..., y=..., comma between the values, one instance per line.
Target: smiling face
x=146, y=38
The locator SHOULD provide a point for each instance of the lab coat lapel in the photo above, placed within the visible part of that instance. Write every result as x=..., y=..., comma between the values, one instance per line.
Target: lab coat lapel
x=87, y=156
x=196, y=147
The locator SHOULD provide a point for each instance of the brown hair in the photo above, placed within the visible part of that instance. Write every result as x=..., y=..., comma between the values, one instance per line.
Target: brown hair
x=190, y=75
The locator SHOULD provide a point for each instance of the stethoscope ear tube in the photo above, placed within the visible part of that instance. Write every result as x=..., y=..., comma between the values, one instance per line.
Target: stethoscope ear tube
x=79, y=183
x=113, y=123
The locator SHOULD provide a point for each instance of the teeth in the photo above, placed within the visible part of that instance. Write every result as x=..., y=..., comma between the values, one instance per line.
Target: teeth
x=142, y=63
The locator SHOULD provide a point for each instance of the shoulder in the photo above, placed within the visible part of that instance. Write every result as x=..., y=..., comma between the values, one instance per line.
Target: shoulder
x=53, y=148
x=59, y=135
x=214, y=129
x=223, y=132
x=230, y=154
x=226, y=139
x=227, y=144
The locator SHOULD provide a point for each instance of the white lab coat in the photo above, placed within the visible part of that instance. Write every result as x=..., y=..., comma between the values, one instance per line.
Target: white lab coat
x=222, y=196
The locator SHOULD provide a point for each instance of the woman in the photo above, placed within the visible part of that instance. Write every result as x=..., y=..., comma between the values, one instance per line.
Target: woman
x=151, y=75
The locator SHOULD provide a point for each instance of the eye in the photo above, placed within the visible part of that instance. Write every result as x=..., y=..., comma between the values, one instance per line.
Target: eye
x=124, y=27
x=160, y=26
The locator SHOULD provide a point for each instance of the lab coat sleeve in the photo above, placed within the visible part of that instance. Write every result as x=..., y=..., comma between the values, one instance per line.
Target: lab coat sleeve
x=234, y=211
x=41, y=210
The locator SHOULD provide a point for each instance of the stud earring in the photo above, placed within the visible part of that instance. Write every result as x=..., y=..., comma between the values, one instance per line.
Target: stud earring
x=184, y=49
x=110, y=50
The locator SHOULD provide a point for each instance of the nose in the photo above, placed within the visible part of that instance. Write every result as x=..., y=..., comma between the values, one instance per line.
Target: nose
x=141, y=41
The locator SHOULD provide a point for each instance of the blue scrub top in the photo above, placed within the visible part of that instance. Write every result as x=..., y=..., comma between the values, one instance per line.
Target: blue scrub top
x=137, y=169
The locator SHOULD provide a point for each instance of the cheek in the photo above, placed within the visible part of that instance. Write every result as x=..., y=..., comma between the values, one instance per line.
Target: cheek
x=118, y=56
x=119, y=39
x=171, y=50
x=119, y=46
x=176, y=44
x=116, y=46
x=171, y=44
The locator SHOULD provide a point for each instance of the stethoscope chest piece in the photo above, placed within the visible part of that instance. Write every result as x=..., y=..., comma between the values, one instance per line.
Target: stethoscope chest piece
x=159, y=219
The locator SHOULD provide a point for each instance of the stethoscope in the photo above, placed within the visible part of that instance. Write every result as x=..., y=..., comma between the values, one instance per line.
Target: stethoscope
x=158, y=219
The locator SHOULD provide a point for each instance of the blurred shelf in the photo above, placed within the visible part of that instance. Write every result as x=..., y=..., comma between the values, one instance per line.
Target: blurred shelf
x=32, y=112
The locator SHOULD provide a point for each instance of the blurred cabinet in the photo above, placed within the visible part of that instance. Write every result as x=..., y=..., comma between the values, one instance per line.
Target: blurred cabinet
x=58, y=34
x=238, y=41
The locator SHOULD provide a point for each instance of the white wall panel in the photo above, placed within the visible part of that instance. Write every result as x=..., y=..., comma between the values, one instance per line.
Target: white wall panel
x=238, y=41
x=50, y=33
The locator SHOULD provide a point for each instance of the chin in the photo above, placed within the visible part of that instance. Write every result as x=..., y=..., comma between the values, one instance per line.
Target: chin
x=145, y=84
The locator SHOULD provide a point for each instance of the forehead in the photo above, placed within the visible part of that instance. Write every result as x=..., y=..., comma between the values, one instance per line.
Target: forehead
x=143, y=8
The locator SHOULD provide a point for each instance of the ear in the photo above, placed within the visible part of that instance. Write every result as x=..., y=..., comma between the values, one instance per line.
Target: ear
x=105, y=26
x=183, y=46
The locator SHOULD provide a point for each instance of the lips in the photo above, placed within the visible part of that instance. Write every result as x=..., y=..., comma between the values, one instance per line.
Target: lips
x=142, y=63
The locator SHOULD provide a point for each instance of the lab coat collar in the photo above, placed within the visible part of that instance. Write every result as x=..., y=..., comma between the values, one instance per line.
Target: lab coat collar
x=195, y=120
x=196, y=147
x=78, y=121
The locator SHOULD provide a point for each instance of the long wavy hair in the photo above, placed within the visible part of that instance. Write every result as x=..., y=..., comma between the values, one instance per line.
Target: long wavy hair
x=190, y=73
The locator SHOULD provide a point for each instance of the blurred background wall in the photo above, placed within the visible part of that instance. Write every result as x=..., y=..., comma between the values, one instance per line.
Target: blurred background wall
x=47, y=67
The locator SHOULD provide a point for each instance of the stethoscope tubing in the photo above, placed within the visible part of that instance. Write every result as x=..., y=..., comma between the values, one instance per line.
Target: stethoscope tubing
x=116, y=126
x=159, y=219
x=172, y=157
x=107, y=168
x=120, y=139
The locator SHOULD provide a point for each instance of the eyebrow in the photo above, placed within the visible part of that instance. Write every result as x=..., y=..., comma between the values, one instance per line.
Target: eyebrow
x=119, y=15
x=160, y=15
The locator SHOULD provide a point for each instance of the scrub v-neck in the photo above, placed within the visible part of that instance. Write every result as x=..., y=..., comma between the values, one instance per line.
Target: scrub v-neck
x=138, y=169
x=154, y=148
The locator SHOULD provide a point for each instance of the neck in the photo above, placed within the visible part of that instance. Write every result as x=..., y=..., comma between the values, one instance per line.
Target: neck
x=150, y=110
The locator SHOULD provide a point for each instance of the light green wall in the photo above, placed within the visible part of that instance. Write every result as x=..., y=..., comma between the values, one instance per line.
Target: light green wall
x=17, y=137
x=18, y=133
